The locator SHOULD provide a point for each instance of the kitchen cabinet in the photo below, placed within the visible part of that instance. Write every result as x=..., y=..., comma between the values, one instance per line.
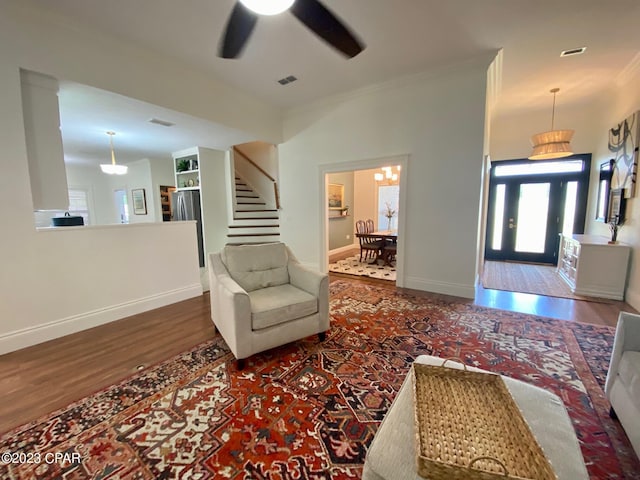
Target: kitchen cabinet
x=593, y=267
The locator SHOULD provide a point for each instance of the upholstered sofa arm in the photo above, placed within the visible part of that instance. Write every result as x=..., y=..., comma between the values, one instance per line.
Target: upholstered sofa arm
x=627, y=338
x=231, y=313
x=306, y=279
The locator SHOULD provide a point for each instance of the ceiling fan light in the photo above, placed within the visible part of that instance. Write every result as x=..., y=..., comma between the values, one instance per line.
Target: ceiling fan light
x=112, y=169
x=551, y=144
x=267, y=7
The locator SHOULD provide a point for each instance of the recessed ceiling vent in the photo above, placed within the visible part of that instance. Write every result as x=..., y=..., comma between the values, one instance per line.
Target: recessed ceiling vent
x=287, y=80
x=164, y=123
x=573, y=51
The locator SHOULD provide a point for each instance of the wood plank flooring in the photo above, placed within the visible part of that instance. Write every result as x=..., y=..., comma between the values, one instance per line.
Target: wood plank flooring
x=39, y=379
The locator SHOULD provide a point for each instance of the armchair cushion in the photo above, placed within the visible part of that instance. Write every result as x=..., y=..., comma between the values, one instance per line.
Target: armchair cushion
x=274, y=305
x=253, y=268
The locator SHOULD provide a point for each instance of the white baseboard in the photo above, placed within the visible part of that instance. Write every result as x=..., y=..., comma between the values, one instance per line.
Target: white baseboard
x=346, y=248
x=455, y=289
x=27, y=337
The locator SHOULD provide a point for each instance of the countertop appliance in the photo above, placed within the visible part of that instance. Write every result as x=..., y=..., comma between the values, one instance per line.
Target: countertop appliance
x=67, y=220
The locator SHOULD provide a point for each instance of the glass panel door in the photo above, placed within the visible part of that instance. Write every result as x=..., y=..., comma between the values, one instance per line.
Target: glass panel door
x=523, y=226
x=531, y=203
x=533, y=213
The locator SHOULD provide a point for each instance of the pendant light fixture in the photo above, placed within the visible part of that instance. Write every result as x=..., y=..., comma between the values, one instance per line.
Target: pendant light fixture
x=113, y=168
x=554, y=143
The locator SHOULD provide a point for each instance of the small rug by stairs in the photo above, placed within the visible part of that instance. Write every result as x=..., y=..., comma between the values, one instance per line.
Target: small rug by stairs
x=309, y=410
x=353, y=266
x=529, y=278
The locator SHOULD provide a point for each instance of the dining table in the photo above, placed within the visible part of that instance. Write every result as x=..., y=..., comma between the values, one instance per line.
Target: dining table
x=384, y=235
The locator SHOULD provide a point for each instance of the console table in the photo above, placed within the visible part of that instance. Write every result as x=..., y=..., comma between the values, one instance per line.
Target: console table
x=591, y=266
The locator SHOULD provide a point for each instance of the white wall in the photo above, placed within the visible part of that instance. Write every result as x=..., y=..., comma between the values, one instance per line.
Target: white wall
x=365, y=203
x=54, y=282
x=214, y=187
x=510, y=135
x=438, y=120
x=618, y=104
x=342, y=228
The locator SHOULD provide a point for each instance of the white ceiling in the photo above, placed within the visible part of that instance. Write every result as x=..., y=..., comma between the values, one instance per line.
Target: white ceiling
x=402, y=37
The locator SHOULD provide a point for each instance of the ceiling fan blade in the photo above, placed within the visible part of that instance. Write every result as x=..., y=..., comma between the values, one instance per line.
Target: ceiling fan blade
x=237, y=32
x=327, y=26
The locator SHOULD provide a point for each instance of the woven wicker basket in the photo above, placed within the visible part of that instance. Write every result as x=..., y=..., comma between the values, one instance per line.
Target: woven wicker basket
x=469, y=427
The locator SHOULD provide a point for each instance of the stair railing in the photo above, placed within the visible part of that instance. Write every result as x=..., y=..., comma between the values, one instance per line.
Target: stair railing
x=276, y=194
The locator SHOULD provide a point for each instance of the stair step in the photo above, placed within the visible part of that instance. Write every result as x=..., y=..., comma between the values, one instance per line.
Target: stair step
x=235, y=219
x=255, y=226
x=253, y=234
x=246, y=195
x=242, y=207
x=253, y=220
x=258, y=242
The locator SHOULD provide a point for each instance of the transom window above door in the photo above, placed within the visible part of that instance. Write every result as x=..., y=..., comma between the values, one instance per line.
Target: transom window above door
x=538, y=168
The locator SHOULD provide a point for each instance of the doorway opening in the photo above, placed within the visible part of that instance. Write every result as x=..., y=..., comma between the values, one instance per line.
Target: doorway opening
x=372, y=190
x=531, y=203
x=122, y=205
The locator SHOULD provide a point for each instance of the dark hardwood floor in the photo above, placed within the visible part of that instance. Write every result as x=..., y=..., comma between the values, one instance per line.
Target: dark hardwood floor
x=39, y=379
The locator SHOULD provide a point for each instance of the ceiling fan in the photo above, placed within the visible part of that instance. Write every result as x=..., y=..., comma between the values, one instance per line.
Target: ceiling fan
x=315, y=16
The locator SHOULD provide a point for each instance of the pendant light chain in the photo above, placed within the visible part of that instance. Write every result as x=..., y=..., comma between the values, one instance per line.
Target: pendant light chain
x=113, y=156
x=553, y=109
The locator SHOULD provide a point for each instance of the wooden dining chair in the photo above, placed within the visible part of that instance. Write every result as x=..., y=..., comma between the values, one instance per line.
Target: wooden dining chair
x=371, y=227
x=368, y=245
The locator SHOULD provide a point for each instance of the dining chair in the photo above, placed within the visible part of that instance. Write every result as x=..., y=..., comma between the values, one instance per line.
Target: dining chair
x=368, y=245
x=371, y=227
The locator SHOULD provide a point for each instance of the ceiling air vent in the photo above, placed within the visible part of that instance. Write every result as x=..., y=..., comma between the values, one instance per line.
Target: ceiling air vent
x=573, y=51
x=286, y=80
x=164, y=123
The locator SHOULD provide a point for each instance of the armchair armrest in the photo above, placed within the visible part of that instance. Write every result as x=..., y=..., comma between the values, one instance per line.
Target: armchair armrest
x=230, y=304
x=306, y=279
x=627, y=338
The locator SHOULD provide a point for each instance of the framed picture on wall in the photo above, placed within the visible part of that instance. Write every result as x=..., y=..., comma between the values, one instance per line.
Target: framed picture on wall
x=336, y=196
x=139, y=201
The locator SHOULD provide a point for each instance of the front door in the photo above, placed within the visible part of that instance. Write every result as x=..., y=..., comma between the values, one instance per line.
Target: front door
x=530, y=203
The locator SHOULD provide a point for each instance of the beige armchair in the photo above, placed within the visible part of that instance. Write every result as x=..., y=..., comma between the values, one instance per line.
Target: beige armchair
x=623, y=378
x=262, y=297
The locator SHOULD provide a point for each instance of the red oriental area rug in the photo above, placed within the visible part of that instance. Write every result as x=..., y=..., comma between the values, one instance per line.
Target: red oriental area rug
x=309, y=410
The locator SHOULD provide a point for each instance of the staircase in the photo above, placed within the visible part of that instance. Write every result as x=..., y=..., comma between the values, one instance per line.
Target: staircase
x=253, y=221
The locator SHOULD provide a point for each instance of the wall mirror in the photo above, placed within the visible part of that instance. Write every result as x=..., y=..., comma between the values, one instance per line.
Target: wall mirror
x=604, y=189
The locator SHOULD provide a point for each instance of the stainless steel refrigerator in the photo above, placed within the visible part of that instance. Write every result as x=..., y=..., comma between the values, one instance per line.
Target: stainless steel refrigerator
x=186, y=206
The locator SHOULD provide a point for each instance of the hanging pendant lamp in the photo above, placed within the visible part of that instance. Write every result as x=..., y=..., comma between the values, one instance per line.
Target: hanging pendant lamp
x=113, y=168
x=554, y=143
